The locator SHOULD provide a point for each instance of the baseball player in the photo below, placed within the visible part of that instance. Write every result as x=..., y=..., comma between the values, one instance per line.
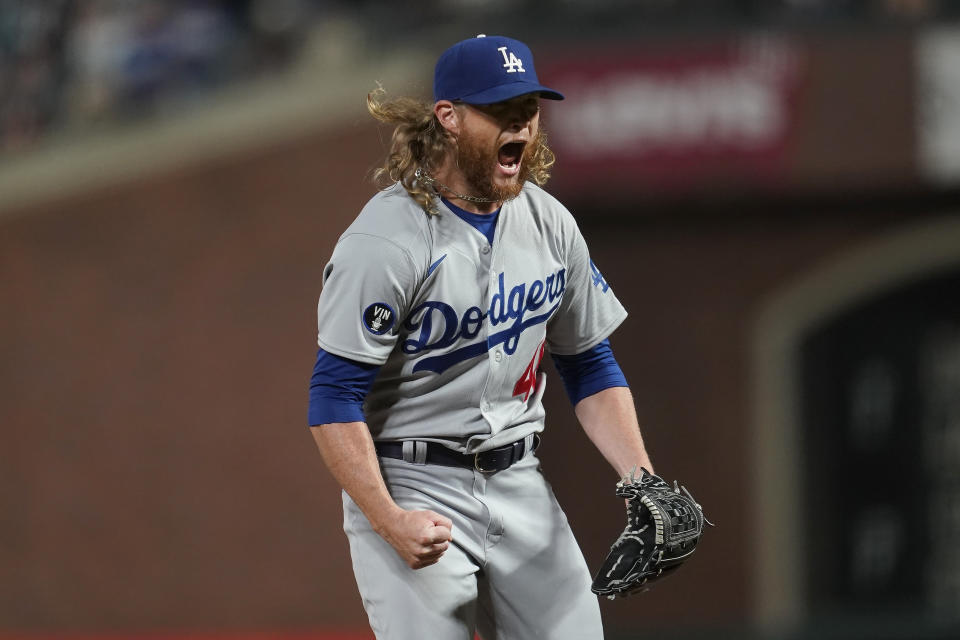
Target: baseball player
x=438, y=305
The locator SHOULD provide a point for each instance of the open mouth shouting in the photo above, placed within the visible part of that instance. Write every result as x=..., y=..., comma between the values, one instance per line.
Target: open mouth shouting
x=509, y=157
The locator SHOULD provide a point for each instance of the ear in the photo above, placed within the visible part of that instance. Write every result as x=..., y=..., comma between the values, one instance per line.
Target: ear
x=448, y=115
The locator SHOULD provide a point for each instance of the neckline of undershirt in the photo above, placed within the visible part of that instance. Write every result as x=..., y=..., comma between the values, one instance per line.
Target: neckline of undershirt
x=485, y=223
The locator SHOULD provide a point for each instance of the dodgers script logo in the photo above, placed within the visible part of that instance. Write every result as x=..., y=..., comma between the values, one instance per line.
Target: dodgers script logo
x=511, y=309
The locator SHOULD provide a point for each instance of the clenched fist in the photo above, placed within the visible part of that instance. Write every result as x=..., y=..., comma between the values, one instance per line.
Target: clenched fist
x=420, y=537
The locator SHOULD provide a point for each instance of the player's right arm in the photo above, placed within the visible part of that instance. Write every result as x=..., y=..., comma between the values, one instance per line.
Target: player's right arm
x=419, y=537
x=367, y=287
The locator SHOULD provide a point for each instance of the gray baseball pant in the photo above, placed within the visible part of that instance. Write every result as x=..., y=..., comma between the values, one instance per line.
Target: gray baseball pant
x=513, y=572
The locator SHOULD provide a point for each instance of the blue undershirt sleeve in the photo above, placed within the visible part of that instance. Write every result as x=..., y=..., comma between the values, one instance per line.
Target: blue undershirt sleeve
x=589, y=372
x=338, y=388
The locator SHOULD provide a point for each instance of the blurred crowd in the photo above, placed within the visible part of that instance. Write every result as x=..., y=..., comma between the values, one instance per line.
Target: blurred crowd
x=77, y=62
x=66, y=62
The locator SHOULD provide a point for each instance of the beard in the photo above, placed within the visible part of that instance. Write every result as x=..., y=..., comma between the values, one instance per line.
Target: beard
x=478, y=161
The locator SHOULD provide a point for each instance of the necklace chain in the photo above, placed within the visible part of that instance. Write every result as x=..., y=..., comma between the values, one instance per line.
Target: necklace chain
x=422, y=176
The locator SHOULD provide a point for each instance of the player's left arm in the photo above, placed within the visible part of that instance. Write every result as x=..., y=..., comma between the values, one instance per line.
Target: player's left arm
x=609, y=419
x=601, y=398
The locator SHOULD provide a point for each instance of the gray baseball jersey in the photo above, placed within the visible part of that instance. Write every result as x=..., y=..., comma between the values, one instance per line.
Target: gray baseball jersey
x=458, y=324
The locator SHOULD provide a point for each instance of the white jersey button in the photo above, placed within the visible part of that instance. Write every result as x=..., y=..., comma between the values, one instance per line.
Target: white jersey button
x=498, y=356
x=485, y=249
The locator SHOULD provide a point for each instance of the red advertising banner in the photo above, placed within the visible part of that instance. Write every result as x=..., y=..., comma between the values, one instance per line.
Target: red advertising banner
x=675, y=115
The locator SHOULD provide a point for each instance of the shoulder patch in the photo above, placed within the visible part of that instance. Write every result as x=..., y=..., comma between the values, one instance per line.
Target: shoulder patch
x=598, y=280
x=378, y=318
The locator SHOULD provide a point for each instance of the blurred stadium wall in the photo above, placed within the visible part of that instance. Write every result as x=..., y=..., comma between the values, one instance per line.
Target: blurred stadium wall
x=770, y=188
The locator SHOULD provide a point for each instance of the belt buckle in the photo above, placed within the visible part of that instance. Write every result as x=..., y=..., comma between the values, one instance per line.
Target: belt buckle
x=477, y=466
x=512, y=450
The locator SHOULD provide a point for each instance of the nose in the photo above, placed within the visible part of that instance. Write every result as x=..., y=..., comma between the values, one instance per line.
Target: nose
x=519, y=119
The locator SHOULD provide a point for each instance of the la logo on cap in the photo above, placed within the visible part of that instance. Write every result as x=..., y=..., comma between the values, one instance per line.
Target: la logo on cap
x=513, y=63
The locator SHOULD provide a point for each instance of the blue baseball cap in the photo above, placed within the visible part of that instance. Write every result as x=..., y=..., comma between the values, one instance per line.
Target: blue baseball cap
x=487, y=69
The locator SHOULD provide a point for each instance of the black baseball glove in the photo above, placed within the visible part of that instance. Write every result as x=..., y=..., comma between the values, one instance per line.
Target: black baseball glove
x=664, y=525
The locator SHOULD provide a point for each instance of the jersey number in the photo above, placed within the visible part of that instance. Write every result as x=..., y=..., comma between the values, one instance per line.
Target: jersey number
x=528, y=381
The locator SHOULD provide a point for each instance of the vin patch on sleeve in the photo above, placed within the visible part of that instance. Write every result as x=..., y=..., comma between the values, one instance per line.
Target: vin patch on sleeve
x=378, y=318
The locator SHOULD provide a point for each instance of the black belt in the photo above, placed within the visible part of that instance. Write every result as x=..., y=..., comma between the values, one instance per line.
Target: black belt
x=486, y=461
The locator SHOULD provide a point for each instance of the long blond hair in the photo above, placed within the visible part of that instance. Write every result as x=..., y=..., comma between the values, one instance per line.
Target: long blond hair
x=420, y=141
